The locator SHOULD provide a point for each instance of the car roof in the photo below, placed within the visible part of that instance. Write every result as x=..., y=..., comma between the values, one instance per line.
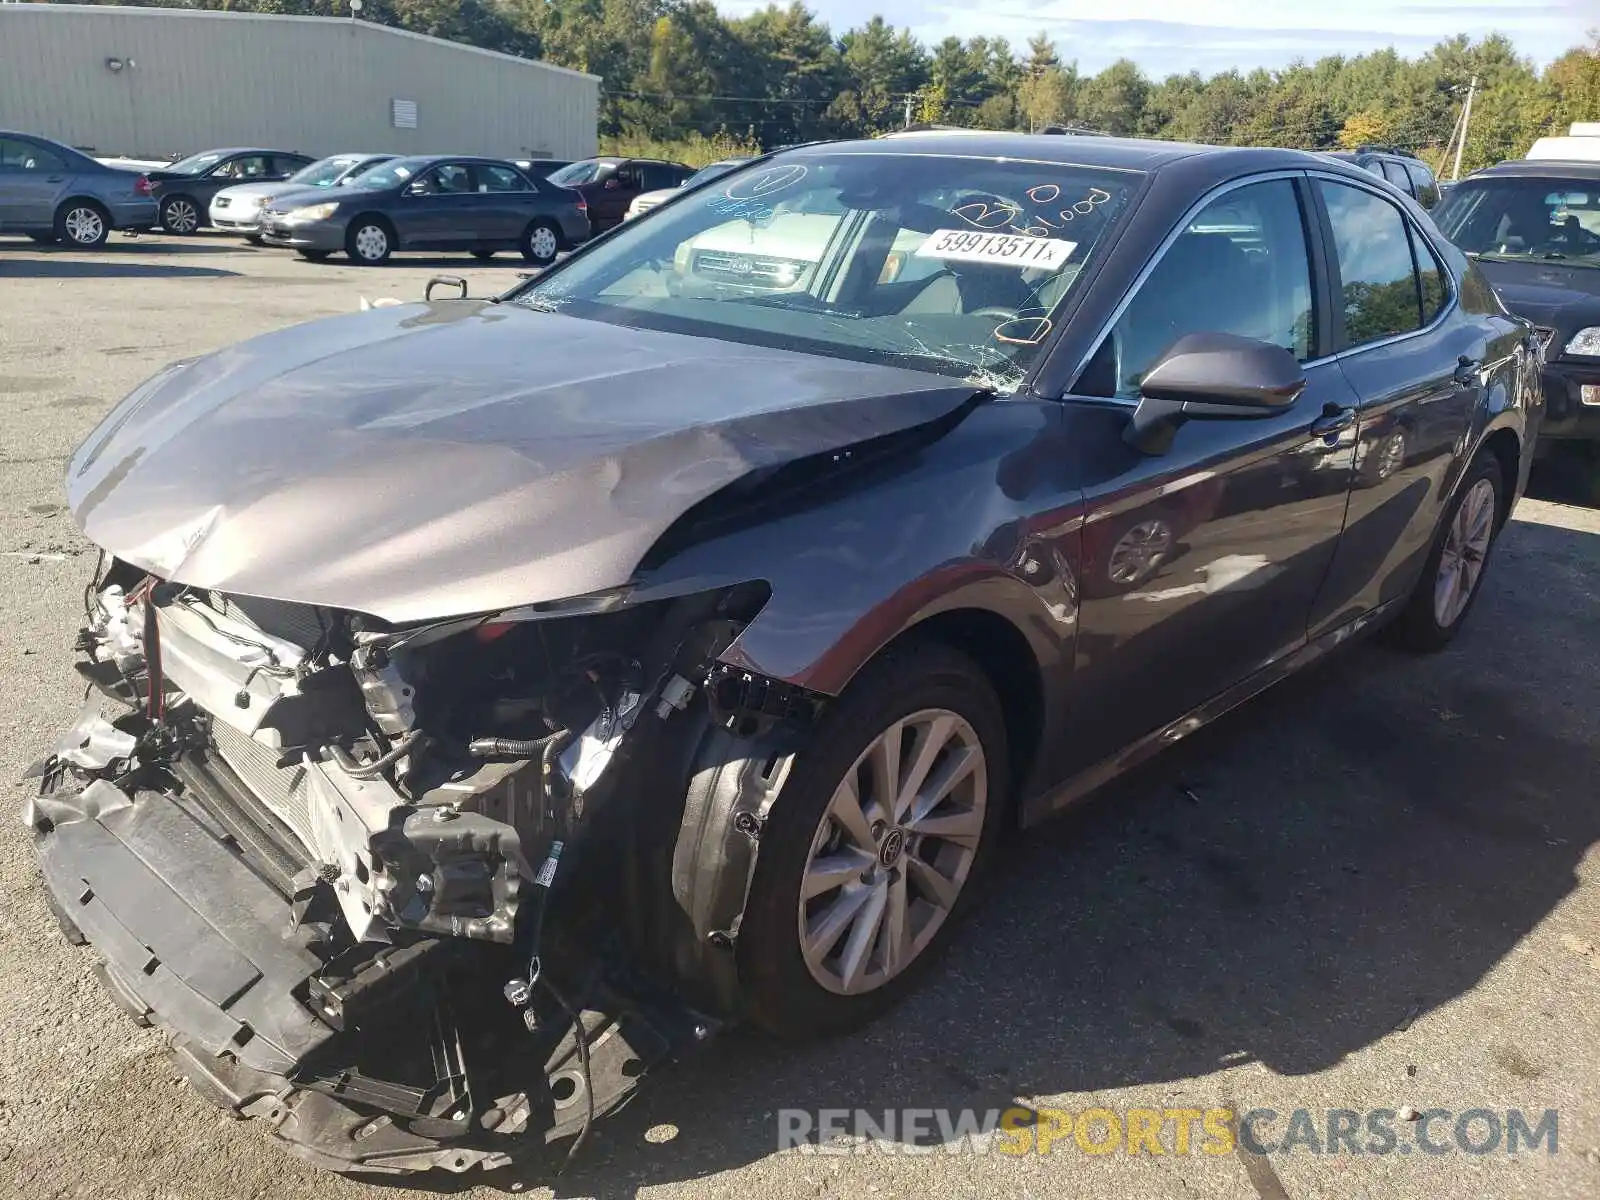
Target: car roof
x=1138, y=154
x=1539, y=168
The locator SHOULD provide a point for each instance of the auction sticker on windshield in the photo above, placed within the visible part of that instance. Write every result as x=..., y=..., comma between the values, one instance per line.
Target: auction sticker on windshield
x=1016, y=249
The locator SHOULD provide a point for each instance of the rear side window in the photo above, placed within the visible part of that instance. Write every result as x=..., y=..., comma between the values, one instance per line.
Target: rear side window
x=1396, y=174
x=1431, y=275
x=500, y=179
x=1377, y=277
x=1423, y=184
x=1239, y=267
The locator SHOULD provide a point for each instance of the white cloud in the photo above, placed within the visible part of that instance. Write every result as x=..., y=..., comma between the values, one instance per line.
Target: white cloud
x=1165, y=36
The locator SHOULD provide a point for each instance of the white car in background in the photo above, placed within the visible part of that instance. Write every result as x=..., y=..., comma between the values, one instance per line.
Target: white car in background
x=238, y=209
x=645, y=201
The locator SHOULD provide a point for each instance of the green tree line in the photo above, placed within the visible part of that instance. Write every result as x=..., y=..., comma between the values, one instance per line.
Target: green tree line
x=679, y=73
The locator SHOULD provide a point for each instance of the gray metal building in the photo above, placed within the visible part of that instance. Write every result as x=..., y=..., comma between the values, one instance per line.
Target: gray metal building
x=155, y=82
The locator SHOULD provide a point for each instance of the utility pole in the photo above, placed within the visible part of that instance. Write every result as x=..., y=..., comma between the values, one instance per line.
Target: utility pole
x=1466, y=120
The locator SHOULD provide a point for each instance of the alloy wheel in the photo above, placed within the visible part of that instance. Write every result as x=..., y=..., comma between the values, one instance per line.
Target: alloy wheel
x=1466, y=547
x=893, y=851
x=181, y=216
x=1393, y=455
x=1139, y=551
x=84, y=226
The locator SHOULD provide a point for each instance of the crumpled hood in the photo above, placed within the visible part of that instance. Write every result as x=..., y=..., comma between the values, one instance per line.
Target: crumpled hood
x=424, y=461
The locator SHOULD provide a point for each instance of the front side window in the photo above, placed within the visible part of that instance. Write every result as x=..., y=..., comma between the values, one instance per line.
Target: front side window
x=942, y=263
x=25, y=156
x=196, y=164
x=389, y=174
x=500, y=179
x=1377, y=276
x=1549, y=219
x=447, y=179
x=245, y=168
x=1239, y=267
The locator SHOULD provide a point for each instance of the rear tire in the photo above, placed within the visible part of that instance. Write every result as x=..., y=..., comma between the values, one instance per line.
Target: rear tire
x=541, y=242
x=42, y=239
x=253, y=238
x=369, y=241
x=1453, y=575
x=922, y=863
x=180, y=215
x=314, y=255
x=82, y=225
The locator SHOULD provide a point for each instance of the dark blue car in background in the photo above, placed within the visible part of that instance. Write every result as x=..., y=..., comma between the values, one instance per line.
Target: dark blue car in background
x=53, y=193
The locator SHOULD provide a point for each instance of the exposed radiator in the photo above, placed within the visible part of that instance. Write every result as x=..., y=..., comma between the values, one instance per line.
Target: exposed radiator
x=282, y=789
x=301, y=624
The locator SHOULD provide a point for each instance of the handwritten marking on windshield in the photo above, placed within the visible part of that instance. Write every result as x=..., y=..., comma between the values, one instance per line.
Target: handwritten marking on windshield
x=1008, y=214
x=742, y=209
x=767, y=182
x=1023, y=331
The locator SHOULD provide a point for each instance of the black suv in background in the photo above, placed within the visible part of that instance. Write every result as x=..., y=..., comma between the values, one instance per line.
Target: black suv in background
x=1534, y=229
x=610, y=184
x=1406, y=171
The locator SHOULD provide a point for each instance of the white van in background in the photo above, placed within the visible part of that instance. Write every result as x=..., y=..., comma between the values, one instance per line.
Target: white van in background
x=1581, y=144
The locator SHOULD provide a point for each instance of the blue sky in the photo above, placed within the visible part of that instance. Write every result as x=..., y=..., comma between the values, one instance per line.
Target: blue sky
x=1166, y=36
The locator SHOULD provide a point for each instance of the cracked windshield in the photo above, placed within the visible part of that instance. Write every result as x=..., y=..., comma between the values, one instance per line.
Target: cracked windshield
x=939, y=263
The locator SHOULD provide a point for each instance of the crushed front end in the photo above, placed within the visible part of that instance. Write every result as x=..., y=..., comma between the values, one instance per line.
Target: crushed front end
x=400, y=891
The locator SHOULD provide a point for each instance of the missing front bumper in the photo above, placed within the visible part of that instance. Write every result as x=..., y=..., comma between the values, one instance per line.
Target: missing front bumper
x=361, y=1059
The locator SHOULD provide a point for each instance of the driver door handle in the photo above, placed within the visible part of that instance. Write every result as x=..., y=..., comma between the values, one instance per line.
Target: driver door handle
x=1333, y=420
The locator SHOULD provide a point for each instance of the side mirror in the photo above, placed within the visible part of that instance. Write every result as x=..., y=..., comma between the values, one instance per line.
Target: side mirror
x=612, y=184
x=416, y=188
x=1212, y=375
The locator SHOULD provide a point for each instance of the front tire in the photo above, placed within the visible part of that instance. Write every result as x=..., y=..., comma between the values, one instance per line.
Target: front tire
x=876, y=843
x=314, y=255
x=540, y=243
x=483, y=255
x=1453, y=574
x=180, y=215
x=369, y=241
x=82, y=224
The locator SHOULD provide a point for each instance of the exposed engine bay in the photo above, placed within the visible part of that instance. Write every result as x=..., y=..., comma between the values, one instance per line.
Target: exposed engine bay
x=408, y=892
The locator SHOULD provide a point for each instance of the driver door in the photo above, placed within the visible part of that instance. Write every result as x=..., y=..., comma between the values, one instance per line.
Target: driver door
x=1199, y=564
x=437, y=209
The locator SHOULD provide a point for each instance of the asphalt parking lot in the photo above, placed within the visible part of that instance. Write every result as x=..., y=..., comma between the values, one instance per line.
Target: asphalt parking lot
x=1375, y=888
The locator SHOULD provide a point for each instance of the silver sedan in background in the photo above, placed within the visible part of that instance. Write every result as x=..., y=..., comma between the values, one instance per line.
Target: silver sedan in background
x=238, y=209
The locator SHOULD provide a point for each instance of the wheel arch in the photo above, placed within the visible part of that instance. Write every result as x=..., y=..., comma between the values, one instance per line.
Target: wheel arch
x=1505, y=445
x=84, y=198
x=1008, y=660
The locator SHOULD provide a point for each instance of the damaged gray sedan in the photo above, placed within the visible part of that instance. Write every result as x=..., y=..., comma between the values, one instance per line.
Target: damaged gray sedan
x=506, y=694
